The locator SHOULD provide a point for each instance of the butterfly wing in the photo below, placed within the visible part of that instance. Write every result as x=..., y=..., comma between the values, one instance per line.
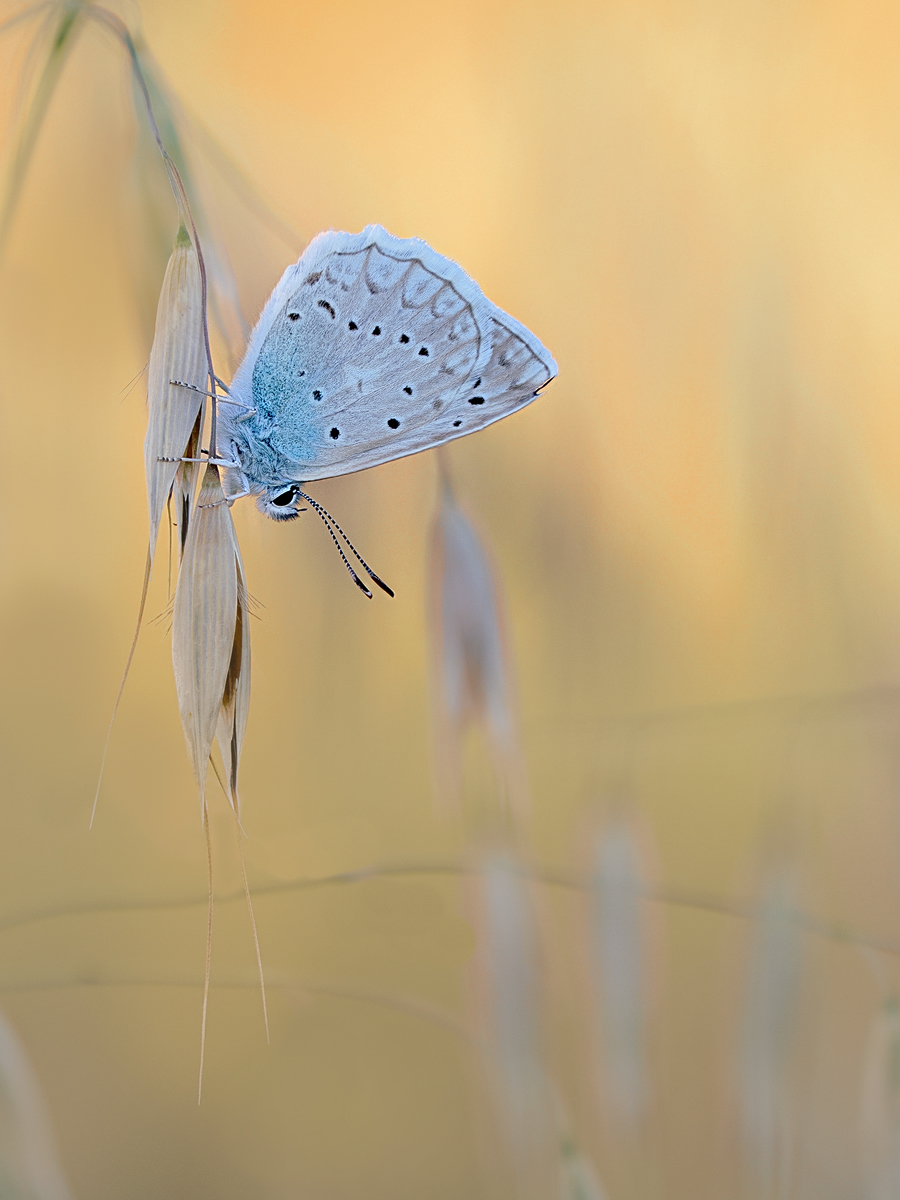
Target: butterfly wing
x=374, y=347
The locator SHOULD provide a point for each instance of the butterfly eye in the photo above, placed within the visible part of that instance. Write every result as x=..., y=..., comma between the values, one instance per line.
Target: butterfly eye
x=280, y=506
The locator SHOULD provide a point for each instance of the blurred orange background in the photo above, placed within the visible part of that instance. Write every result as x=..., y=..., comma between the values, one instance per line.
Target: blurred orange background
x=695, y=207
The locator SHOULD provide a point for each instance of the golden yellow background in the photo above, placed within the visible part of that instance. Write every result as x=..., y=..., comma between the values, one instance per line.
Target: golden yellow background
x=696, y=207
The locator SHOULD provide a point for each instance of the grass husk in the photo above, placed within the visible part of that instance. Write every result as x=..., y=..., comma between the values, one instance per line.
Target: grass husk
x=204, y=623
x=179, y=354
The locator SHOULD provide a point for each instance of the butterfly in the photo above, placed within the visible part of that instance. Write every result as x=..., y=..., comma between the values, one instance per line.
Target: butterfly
x=371, y=347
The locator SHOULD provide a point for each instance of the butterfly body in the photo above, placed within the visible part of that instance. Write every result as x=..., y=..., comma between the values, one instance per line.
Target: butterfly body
x=370, y=348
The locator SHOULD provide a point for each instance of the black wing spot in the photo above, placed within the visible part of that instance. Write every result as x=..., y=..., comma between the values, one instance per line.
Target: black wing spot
x=403, y=338
x=335, y=433
x=353, y=325
x=314, y=277
x=317, y=395
x=477, y=382
x=293, y=317
x=408, y=391
x=376, y=332
x=424, y=351
x=324, y=304
x=476, y=399
x=456, y=424
x=393, y=422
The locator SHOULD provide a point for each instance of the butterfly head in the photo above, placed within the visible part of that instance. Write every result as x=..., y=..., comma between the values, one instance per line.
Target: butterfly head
x=280, y=503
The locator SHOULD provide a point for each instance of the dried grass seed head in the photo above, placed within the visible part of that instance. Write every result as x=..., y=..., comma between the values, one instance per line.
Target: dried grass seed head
x=619, y=962
x=472, y=668
x=206, y=631
x=178, y=353
x=770, y=1011
x=510, y=981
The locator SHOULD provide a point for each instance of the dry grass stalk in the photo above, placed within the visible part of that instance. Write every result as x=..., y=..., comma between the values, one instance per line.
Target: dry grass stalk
x=771, y=1005
x=577, y=1178
x=472, y=669
x=29, y=1164
x=511, y=996
x=178, y=353
x=619, y=968
x=211, y=645
x=880, y=1108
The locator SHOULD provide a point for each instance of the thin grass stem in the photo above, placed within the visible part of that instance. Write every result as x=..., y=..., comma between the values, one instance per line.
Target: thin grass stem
x=666, y=895
x=31, y=11
x=409, y=1005
x=134, y=641
x=209, y=921
x=121, y=31
x=34, y=119
x=262, y=982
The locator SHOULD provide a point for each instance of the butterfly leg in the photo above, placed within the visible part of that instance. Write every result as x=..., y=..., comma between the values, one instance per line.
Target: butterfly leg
x=220, y=399
x=212, y=462
x=245, y=482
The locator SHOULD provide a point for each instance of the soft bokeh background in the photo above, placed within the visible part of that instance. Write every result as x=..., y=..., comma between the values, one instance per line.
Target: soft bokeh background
x=696, y=207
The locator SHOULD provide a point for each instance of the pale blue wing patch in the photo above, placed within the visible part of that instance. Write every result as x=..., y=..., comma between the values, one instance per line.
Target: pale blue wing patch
x=371, y=348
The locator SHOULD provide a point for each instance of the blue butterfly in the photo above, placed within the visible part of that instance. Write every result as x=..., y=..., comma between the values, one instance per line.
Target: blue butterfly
x=370, y=348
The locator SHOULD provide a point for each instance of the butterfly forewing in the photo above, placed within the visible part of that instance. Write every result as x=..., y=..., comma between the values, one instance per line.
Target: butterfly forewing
x=376, y=349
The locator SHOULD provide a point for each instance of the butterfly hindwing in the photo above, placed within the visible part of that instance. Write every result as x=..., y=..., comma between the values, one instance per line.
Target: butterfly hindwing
x=374, y=347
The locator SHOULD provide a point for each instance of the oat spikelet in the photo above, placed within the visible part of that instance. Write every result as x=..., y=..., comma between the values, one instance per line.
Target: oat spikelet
x=770, y=1020
x=178, y=353
x=205, y=623
x=510, y=987
x=619, y=968
x=472, y=668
